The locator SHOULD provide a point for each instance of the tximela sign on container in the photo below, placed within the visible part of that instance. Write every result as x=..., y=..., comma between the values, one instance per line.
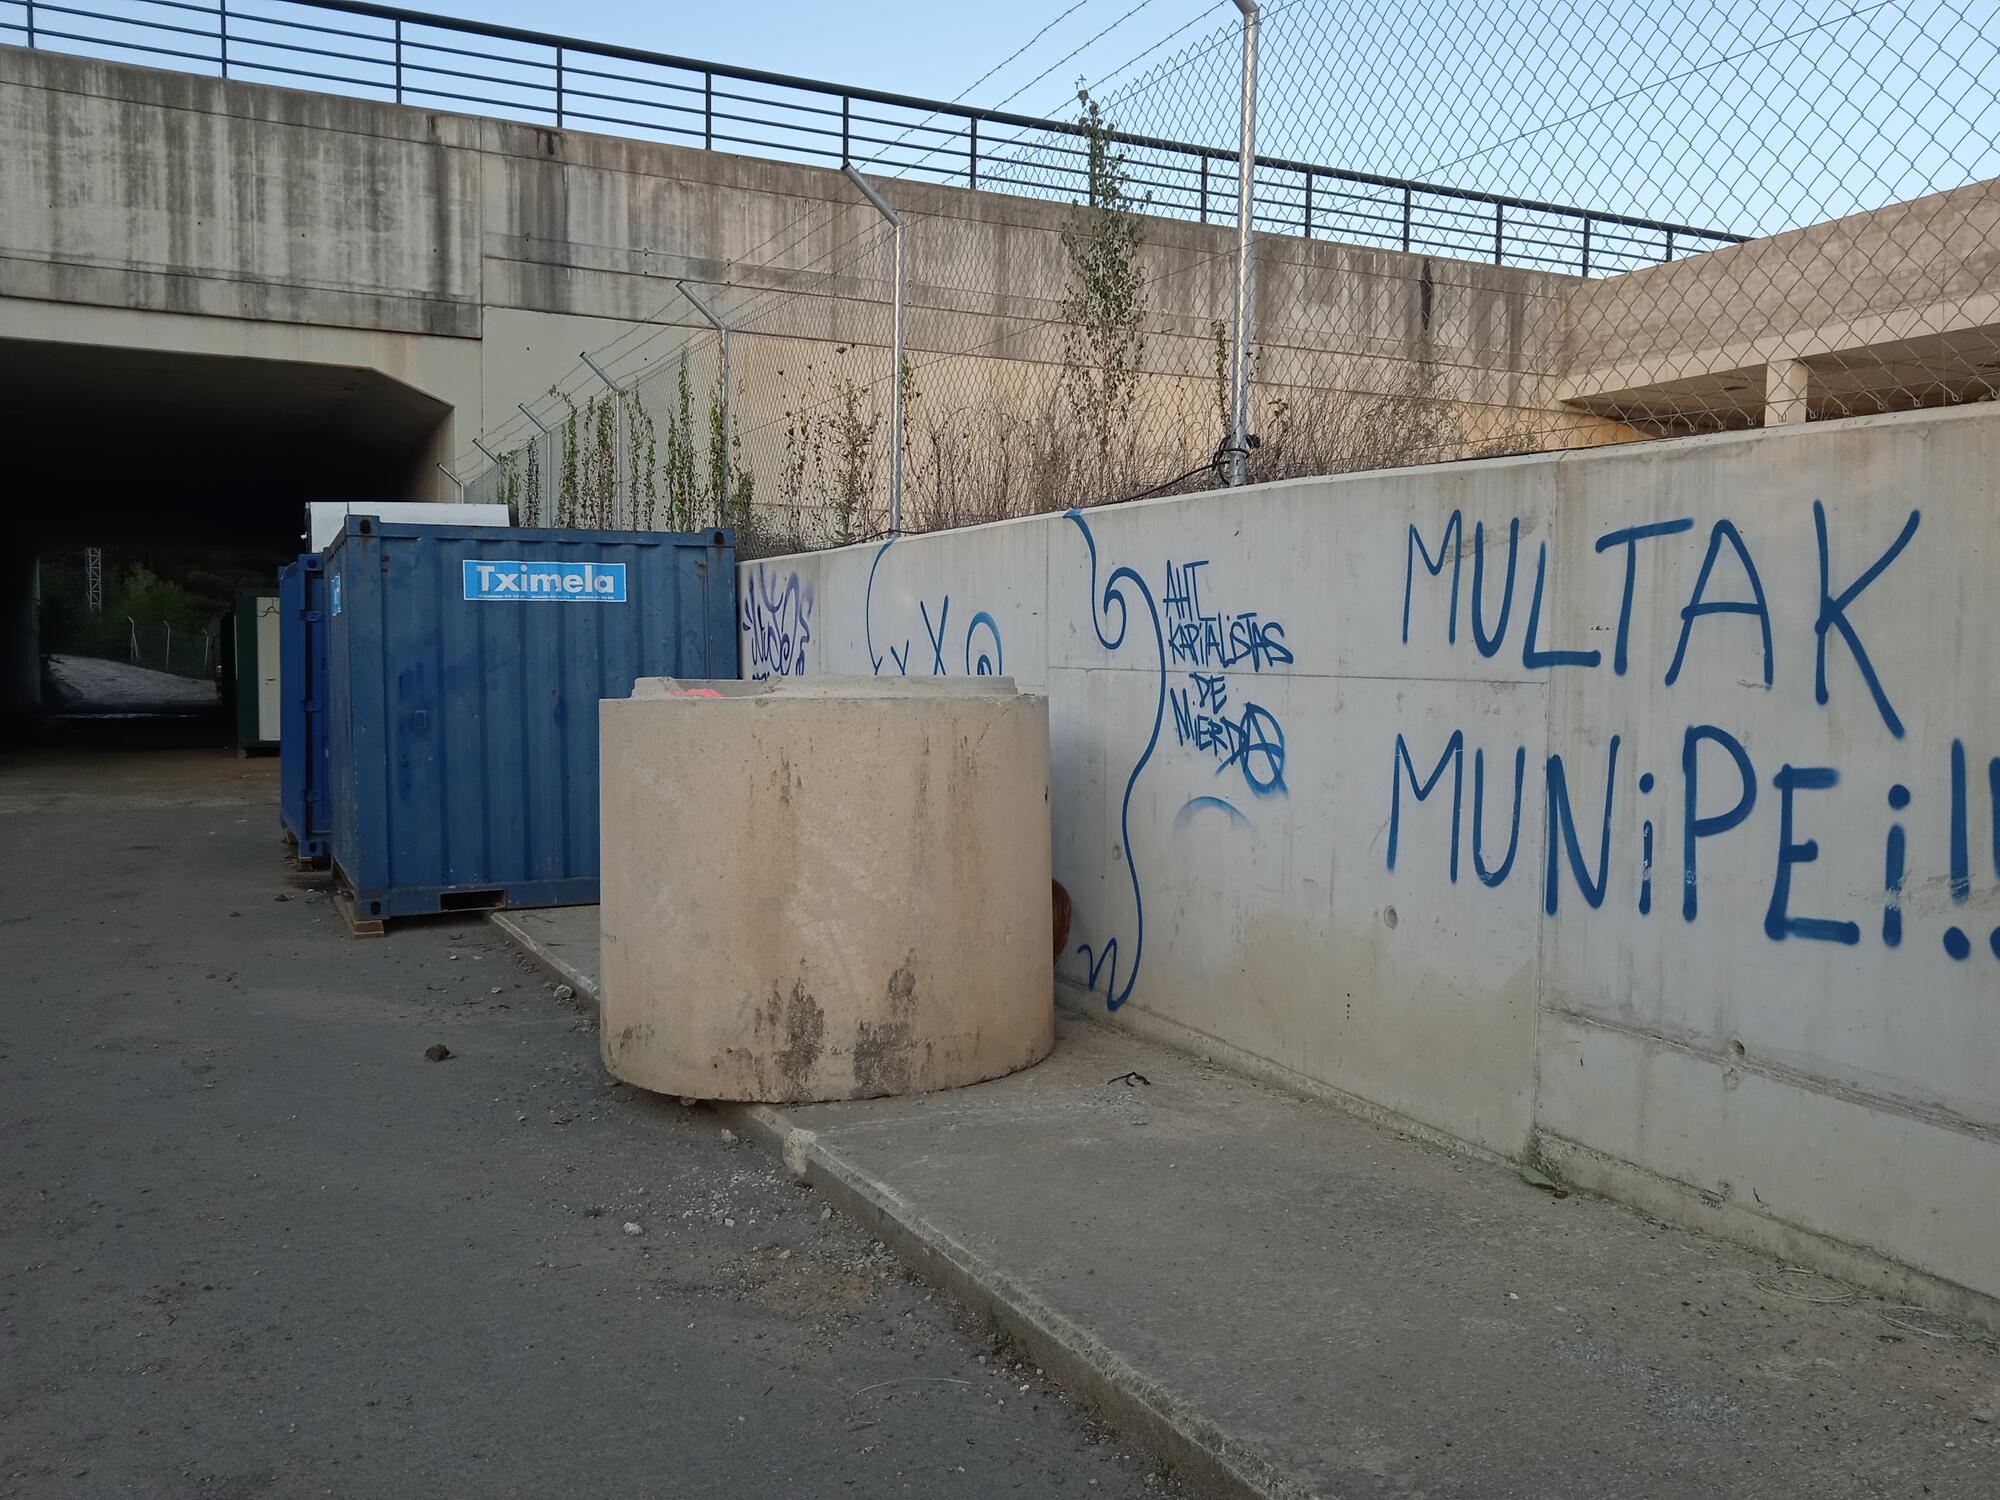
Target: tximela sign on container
x=545, y=582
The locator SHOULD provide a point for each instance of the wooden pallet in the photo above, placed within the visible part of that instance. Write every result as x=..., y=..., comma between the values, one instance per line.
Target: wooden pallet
x=357, y=925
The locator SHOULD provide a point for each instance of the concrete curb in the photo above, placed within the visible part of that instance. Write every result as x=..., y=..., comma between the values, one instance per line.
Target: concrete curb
x=1207, y=1460
x=530, y=948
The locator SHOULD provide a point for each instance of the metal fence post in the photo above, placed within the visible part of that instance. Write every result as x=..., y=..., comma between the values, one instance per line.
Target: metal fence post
x=1246, y=212
x=31, y=23
x=1586, y=244
x=559, y=88
x=452, y=477
x=1499, y=232
x=845, y=103
x=1309, y=203
x=972, y=158
x=708, y=111
x=1406, y=218
x=896, y=369
x=1204, y=187
x=399, y=61
x=222, y=32
x=722, y=331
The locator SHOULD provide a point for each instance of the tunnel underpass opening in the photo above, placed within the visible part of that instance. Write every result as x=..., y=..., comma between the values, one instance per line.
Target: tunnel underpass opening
x=132, y=445
x=194, y=467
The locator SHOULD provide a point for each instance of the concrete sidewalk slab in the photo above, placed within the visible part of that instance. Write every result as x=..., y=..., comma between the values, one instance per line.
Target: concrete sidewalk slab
x=1291, y=1301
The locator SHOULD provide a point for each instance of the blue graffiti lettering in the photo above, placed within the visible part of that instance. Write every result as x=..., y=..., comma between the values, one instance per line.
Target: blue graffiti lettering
x=1249, y=740
x=1893, y=855
x=1454, y=757
x=1629, y=539
x=1485, y=645
x=1447, y=549
x=1993, y=785
x=1646, y=860
x=1495, y=876
x=1779, y=924
x=1833, y=615
x=1694, y=824
x=983, y=655
x=1182, y=595
x=777, y=617
x=1253, y=742
x=1220, y=642
x=1561, y=822
x=1961, y=836
x=1565, y=841
x=1698, y=605
x=1707, y=811
x=936, y=635
x=1530, y=656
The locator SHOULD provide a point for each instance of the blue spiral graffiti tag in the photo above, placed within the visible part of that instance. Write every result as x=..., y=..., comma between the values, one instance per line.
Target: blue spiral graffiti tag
x=986, y=663
x=1104, y=960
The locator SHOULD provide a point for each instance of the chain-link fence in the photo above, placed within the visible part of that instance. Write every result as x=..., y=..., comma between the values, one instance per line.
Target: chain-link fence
x=184, y=652
x=1481, y=228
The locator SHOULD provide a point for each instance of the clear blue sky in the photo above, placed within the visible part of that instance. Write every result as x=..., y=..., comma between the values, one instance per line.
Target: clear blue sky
x=916, y=47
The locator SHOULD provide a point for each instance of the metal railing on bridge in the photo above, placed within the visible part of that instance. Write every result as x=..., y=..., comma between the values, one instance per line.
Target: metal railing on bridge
x=409, y=57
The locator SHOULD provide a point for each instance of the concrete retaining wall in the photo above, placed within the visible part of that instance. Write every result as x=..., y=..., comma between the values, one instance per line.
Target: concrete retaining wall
x=1638, y=809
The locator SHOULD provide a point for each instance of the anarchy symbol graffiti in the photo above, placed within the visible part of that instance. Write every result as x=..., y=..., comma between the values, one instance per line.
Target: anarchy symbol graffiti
x=1259, y=751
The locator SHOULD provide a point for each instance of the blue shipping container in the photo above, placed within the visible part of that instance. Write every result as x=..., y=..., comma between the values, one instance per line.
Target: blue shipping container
x=465, y=665
x=302, y=767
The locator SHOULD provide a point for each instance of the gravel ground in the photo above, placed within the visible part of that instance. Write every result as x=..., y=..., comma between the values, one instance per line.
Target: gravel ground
x=253, y=1242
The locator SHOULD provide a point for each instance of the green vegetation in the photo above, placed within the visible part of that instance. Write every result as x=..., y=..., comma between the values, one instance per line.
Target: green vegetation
x=160, y=606
x=1105, y=303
